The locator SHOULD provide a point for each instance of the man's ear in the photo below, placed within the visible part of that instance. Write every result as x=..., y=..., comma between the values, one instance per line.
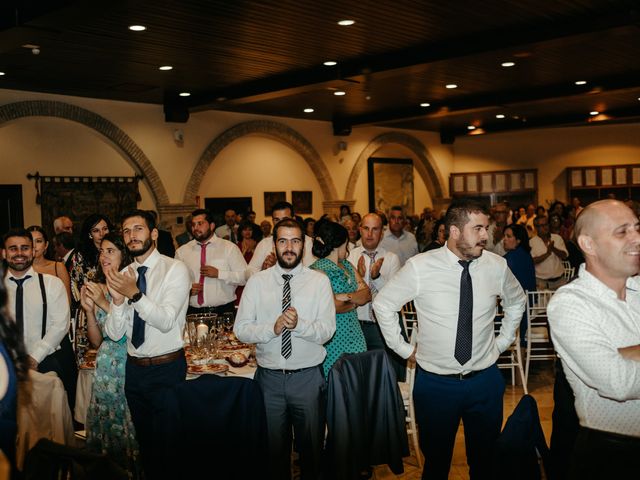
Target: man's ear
x=586, y=244
x=454, y=232
x=154, y=234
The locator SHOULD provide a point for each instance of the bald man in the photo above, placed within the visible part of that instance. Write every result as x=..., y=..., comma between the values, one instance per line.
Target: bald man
x=595, y=327
x=63, y=224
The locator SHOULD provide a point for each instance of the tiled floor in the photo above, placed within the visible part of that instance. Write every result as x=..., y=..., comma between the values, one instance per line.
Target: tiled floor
x=540, y=387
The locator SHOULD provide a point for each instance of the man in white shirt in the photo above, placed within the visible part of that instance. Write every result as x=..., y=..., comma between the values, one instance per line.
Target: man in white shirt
x=396, y=239
x=149, y=302
x=548, y=251
x=264, y=255
x=228, y=230
x=43, y=325
x=376, y=266
x=216, y=265
x=595, y=327
x=288, y=311
x=455, y=290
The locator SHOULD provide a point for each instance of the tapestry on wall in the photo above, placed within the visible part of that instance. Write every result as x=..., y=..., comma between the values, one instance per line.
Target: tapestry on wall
x=390, y=184
x=79, y=197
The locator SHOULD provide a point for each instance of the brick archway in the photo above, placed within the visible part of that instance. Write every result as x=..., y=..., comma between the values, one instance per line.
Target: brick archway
x=426, y=165
x=132, y=153
x=274, y=130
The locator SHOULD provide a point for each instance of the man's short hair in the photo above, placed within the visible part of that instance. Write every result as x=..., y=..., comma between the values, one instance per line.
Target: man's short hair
x=397, y=207
x=145, y=214
x=203, y=211
x=65, y=239
x=16, y=232
x=458, y=214
x=282, y=206
x=287, y=223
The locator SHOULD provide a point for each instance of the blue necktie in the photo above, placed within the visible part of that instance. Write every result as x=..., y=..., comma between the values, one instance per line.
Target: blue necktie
x=464, y=335
x=137, y=337
x=20, y=303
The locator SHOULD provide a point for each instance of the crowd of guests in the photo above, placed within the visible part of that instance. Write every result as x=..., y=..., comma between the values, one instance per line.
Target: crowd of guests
x=305, y=294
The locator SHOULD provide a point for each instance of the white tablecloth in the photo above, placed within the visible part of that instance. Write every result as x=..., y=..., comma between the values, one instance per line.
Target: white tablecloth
x=83, y=394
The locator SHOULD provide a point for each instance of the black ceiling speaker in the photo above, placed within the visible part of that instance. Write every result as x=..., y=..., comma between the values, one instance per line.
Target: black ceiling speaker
x=447, y=137
x=176, y=109
x=341, y=128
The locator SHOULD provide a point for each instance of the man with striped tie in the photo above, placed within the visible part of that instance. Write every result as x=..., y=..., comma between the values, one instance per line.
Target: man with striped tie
x=288, y=311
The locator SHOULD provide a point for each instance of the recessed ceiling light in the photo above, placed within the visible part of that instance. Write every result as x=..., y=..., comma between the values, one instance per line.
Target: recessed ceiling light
x=508, y=64
x=425, y=104
x=137, y=28
x=594, y=113
x=165, y=67
x=451, y=85
x=2, y=73
x=308, y=110
x=339, y=93
x=581, y=82
x=330, y=63
x=184, y=94
x=346, y=23
x=499, y=115
x=470, y=127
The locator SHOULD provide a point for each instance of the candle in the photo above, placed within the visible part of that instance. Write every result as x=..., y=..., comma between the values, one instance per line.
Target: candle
x=202, y=331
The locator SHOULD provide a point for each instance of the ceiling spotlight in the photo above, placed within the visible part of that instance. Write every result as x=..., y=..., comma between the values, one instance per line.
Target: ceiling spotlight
x=451, y=85
x=2, y=73
x=339, y=93
x=499, y=115
x=330, y=63
x=594, y=113
x=185, y=94
x=425, y=105
x=308, y=110
x=581, y=82
x=165, y=67
x=470, y=127
x=137, y=28
x=346, y=23
x=508, y=64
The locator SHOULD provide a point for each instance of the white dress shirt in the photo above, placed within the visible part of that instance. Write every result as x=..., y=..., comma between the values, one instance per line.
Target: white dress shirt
x=404, y=246
x=588, y=325
x=57, y=312
x=225, y=231
x=227, y=258
x=552, y=266
x=163, y=307
x=432, y=280
x=389, y=267
x=261, y=305
x=266, y=246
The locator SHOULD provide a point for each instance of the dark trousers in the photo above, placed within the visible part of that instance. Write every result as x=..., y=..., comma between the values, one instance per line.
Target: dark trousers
x=142, y=384
x=220, y=309
x=294, y=400
x=63, y=362
x=599, y=455
x=375, y=341
x=565, y=425
x=441, y=402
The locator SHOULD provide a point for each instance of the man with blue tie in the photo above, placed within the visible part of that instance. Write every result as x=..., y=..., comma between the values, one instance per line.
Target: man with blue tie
x=149, y=301
x=455, y=290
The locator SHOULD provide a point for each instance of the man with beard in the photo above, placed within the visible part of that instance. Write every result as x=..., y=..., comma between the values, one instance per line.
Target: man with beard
x=217, y=267
x=455, y=289
x=43, y=326
x=149, y=302
x=288, y=311
x=595, y=326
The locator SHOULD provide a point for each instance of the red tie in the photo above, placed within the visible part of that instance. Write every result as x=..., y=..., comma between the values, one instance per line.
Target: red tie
x=203, y=262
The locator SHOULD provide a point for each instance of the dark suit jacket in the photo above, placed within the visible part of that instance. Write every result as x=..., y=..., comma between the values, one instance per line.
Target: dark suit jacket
x=165, y=244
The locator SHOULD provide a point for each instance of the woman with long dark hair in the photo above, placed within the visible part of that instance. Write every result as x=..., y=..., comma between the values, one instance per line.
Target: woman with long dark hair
x=14, y=367
x=349, y=290
x=109, y=426
x=41, y=264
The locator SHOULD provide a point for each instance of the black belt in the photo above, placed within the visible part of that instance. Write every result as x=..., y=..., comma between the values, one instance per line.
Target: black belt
x=610, y=437
x=159, y=360
x=555, y=279
x=458, y=376
x=284, y=371
x=220, y=309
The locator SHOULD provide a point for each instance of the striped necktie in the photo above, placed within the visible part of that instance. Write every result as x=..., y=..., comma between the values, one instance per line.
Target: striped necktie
x=285, y=350
x=372, y=287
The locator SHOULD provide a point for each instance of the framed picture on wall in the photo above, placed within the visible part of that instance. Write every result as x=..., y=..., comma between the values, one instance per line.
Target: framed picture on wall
x=270, y=199
x=390, y=183
x=302, y=201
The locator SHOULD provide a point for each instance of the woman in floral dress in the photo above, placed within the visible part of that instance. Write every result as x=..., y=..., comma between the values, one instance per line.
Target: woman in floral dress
x=330, y=247
x=109, y=426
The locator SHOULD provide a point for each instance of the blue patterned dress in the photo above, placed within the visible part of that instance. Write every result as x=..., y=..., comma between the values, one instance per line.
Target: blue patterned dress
x=109, y=426
x=348, y=337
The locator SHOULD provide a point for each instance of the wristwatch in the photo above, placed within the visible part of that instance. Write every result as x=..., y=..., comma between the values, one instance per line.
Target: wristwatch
x=136, y=296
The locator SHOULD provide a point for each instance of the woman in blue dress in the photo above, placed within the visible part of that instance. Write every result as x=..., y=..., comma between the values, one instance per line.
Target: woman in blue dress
x=109, y=426
x=349, y=290
x=14, y=366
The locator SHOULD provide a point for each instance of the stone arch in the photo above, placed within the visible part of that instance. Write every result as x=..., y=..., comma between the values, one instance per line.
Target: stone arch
x=426, y=165
x=122, y=141
x=274, y=130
